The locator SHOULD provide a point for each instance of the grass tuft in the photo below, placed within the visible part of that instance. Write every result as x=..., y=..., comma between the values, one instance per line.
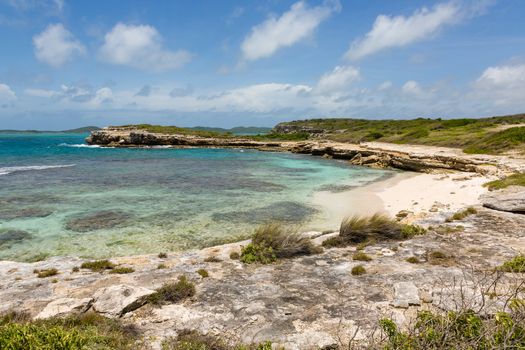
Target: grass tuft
x=235, y=255
x=358, y=270
x=511, y=180
x=162, y=255
x=360, y=256
x=122, y=270
x=173, y=292
x=98, y=265
x=460, y=215
x=46, y=273
x=516, y=264
x=412, y=260
x=203, y=273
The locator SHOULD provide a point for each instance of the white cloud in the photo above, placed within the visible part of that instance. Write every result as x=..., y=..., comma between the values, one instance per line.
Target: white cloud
x=275, y=33
x=340, y=78
x=388, y=32
x=40, y=93
x=507, y=76
x=56, y=45
x=384, y=85
x=140, y=46
x=7, y=95
x=411, y=87
x=501, y=85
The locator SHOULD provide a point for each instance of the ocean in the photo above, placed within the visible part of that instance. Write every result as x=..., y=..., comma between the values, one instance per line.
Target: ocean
x=59, y=196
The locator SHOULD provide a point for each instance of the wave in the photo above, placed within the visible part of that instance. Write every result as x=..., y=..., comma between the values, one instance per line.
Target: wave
x=78, y=145
x=13, y=169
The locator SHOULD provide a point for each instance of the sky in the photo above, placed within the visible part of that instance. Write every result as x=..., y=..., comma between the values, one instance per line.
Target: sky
x=66, y=64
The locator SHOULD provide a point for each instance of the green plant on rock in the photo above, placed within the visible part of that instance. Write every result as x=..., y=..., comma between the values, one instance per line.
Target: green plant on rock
x=122, y=270
x=358, y=270
x=517, y=179
x=46, y=273
x=412, y=260
x=254, y=253
x=360, y=256
x=410, y=231
x=172, y=292
x=193, y=340
x=203, y=273
x=98, y=265
x=235, y=255
x=285, y=242
x=460, y=215
x=516, y=264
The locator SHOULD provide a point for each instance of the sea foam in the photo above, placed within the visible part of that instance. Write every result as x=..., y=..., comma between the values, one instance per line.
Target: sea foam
x=13, y=169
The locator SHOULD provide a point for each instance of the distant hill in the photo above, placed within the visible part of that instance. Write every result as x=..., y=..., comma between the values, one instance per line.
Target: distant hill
x=83, y=130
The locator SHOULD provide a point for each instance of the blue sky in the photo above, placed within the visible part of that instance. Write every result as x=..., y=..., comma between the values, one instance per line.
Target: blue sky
x=70, y=63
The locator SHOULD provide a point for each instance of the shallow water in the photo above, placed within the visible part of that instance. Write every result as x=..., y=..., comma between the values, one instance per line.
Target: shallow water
x=59, y=196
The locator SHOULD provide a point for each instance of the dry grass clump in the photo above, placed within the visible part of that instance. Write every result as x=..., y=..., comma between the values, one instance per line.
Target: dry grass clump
x=162, y=255
x=203, y=273
x=235, y=255
x=162, y=266
x=212, y=259
x=122, y=270
x=98, y=265
x=375, y=228
x=438, y=257
x=46, y=273
x=460, y=215
x=274, y=241
x=358, y=270
x=172, y=292
x=412, y=260
x=360, y=256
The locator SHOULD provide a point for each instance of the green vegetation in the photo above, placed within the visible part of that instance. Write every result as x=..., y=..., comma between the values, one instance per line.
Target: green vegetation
x=46, y=273
x=412, y=260
x=87, y=331
x=512, y=180
x=458, y=330
x=203, y=273
x=162, y=266
x=484, y=135
x=275, y=241
x=360, y=256
x=460, y=215
x=75, y=269
x=517, y=264
x=358, y=270
x=192, y=340
x=162, y=255
x=98, y=265
x=363, y=230
x=212, y=259
x=172, y=292
x=122, y=270
x=437, y=257
x=235, y=255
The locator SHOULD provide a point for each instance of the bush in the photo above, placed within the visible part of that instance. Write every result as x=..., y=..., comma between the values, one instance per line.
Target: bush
x=203, y=273
x=460, y=215
x=458, y=330
x=254, y=253
x=85, y=331
x=360, y=256
x=173, y=292
x=358, y=270
x=162, y=266
x=517, y=264
x=284, y=242
x=235, y=256
x=212, y=259
x=122, y=270
x=162, y=255
x=412, y=260
x=98, y=265
x=46, y=273
x=367, y=229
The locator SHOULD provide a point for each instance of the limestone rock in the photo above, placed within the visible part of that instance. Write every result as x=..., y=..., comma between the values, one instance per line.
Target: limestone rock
x=511, y=199
x=405, y=294
x=119, y=299
x=64, y=306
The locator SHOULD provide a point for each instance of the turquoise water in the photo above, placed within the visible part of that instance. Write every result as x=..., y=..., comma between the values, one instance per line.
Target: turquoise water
x=59, y=196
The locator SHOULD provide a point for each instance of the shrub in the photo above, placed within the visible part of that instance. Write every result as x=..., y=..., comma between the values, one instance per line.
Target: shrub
x=516, y=264
x=162, y=266
x=235, y=256
x=203, y=273
x=75, y=269
x=85, y=331
x=284, y=242
x=358, y=270
x=336, y=241
x=173, y=292
x=162, y=255
x=464, y=329
x=46, y=273
x=360, y=256
x=460, y=215
x=254, y=253
x=438, y=257
x=98, y=265
x=409, y=231
x=122, y=270
x=412, y=260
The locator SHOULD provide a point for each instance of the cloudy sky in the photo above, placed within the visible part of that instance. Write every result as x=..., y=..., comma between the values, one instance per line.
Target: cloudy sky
x=67, y=63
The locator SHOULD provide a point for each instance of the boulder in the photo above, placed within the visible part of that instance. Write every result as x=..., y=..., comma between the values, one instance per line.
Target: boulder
x=511, y=199
x=64, y=306
x=116, y=300
x=405, y=294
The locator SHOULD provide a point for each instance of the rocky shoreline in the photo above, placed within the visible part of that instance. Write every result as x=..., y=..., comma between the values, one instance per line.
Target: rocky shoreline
x=404, y=157
x=306, y=302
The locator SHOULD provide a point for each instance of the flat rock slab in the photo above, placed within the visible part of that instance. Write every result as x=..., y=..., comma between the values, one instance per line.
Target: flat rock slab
x=405, y=294
x=65, y=306
x=115, y=301
x=511, y=199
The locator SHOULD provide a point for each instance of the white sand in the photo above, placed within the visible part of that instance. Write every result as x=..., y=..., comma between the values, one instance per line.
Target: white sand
x=415, y=192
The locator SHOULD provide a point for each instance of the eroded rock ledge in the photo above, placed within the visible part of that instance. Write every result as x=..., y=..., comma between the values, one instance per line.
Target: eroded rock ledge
x=405, y=157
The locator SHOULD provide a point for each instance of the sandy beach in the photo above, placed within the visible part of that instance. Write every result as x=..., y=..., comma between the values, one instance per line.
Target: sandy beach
x=416, y=192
